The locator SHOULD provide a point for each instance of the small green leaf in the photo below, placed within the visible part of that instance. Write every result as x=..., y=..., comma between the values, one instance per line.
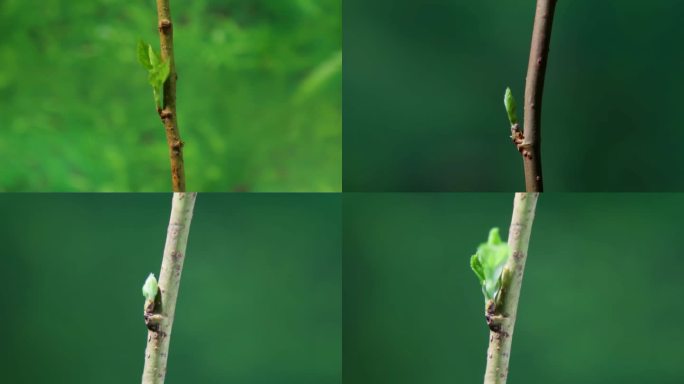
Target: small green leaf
x=504, y=281
x=150, y=288
x=159, y=73
x=488, y=263
x=477, y=268
x=494, y=237
x=157, y=76
x=157, y=70
x=509, y=103
x=143, y=56
x=154, y=57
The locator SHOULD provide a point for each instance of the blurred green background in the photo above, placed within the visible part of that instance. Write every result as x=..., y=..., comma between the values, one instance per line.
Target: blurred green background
x=600, y=300
x=260, y=299
x=424, y=85
x=259, y=96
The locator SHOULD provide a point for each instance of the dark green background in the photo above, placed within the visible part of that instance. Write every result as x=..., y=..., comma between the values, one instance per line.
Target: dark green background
x=259, y=96
x=424, y=85
x=601, y=298
x=260, y=299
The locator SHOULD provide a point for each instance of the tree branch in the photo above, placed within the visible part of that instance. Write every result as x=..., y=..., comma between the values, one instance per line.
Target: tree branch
x=502, y=314
x=168, y=111
x=534, y=88
x=159, y=318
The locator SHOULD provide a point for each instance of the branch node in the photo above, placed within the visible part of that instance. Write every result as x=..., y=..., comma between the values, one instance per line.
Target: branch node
x=518, y=138
x=493, y=323
x=165, y=26
x=494, y=320
x=153, y=321
x=178, y=145
x=165, y=114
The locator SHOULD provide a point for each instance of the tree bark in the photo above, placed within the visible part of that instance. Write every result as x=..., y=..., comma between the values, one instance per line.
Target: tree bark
x=159, y=333
x=168, y=111
x=501, y=336
x=534, y=89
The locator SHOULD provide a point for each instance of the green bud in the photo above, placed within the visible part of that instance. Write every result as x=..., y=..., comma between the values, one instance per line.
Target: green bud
x=494, y=237
x=150, y=288
x=158, y=70
x=509, y=103
x=154, y=56
x=488, y=263
x=143, y=55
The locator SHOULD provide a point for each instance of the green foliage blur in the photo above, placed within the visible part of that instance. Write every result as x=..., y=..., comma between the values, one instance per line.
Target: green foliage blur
x=259, y=302
x=424, y=81
x=600, y=300
x=259, y=96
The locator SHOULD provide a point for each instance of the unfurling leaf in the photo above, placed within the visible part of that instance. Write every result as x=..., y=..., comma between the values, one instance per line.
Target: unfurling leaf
x=157, y=70
x=159, y=73
x=509, y=103
x=150, y=288
x=488, y=263
x=157, y=76
x=477, y=268
x=154, y=57
x=143, y=56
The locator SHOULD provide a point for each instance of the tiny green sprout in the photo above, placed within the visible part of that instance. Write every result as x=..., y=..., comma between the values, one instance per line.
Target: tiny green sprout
x=509, y=103
x=150, y=288
x=144, y=55
x=488, y=263
x=157, y=69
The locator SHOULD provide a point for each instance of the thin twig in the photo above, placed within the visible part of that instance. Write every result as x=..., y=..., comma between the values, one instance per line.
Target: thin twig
x=505, y=310
x=534, y=88
x=159, y=333
x=168, y=111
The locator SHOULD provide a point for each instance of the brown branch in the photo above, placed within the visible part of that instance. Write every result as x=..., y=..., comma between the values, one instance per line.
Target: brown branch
x=534, y=88
x=168, y=112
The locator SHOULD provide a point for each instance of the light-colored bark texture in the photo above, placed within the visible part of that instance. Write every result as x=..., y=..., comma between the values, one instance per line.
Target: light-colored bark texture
x=159, y=317
x=501, y=316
